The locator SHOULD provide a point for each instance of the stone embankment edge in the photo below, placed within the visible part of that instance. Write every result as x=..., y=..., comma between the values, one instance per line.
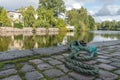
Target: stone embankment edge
x=9, y=55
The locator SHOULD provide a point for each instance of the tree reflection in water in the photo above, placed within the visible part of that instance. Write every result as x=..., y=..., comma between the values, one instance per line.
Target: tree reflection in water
x=20, y=42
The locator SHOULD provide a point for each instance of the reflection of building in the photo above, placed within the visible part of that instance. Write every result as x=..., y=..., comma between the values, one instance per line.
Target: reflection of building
x=65, y=39
x=71, y=28
x=70, y=34
x=16, y=45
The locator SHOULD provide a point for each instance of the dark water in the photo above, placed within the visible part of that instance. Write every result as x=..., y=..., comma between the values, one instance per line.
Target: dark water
x=20, y=42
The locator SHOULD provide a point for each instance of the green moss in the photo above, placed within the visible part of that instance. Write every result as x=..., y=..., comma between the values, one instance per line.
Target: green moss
x=25, y=59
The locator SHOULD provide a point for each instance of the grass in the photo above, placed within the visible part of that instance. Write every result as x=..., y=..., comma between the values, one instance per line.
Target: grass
x=25, y=59
x=18, y=64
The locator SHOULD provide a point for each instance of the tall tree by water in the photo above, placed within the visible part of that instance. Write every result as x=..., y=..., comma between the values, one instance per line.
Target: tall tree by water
x=80, y=19
x=57, y=6
x=4, y=19
x=45, y=17
x=28, y=16
x=48, y=12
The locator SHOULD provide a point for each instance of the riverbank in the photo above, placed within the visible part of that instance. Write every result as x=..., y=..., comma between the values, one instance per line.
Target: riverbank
x=51, y=60
x=25, y=30
x=8, y=55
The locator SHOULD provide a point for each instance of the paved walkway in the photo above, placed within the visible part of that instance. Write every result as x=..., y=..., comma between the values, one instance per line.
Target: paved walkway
x=53, y=68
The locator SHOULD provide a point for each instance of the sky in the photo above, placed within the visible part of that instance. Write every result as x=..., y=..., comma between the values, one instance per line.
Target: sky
x=101, y=10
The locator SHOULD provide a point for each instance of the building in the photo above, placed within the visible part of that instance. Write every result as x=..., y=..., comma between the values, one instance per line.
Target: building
x=15, y=16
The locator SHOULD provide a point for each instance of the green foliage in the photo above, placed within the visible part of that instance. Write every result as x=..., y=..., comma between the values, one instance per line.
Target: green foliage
x=4, y=17
x=18, y=25
x=91, y=22
x=80, y=19
x=60, y=23
x=28, y=16
x=45, y=18
x=57, y=6
x=48, y=14
x=0, y=12
x=109, y=25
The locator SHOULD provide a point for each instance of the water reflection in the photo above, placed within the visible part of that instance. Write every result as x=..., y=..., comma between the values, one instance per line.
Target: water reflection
x=29, y=40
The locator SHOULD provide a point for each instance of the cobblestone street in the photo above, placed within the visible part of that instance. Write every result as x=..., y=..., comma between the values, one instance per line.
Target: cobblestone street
x=53, y=68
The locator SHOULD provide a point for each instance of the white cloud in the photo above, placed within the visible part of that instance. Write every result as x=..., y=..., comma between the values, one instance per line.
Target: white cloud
x=90, y=12
x=76, y=6
x=108, y=10
x=107, y=18
x=73, y=4
x=113, y=9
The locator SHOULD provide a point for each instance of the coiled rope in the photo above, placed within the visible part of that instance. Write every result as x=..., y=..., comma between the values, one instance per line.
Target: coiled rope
x=73, y=61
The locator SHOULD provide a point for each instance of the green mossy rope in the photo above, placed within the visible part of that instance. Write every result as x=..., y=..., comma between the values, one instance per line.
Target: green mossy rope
x=73, y=60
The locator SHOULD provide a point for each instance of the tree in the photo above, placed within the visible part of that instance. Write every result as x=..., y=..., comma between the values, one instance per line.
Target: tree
x=4, y=18
x=29, y=16
x=45, y=17
x=1, y=9
x=80, y=19
x=91, y=22
x=60, y=23
x=57, y=6
x=110, y=25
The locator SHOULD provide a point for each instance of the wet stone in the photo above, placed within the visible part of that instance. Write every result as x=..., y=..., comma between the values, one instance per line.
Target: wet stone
x=50, y=50
x=79, y=76
x=104, y=52
x=105, y=75
x=116, y=64
x=108, y=55
x=117, y=72
x=53, y=73
x=106, y=67
x=114, y=59
x=8, y=72
x=27, y=68
x=55, y=62
x=35, y=75
x=47, y=59
x=44, y=66
x=15, y=77
x=63, y=68
x=64, y=78
x=98, y=79
x=62, y=60
x=43, y=79
x=8, y=66
x=103, y=61
x=66, y=54
x=99, y=52
x=36, y=61
x=117, y=57
x=58, y=57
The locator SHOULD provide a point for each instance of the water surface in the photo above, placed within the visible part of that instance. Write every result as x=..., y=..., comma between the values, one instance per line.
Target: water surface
x=16, y=41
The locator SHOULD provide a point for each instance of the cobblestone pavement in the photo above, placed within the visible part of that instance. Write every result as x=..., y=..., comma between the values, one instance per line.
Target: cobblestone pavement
x=53, y=68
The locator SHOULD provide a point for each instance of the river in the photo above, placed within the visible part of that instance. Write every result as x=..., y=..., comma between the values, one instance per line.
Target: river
x=29, y=41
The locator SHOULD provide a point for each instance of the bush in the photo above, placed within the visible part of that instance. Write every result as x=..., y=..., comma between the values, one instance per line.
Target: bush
x=18, y=25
